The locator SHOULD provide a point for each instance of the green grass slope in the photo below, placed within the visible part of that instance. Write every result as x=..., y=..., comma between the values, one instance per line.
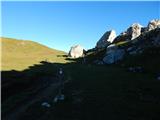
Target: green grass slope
x=19, y=54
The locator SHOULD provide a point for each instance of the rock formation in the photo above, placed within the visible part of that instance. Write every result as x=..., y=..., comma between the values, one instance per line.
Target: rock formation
x=106, y=39
x=153, y=24
x=76, y=51
x=134, y=41
x=130, y=34
x=134, y=31
x=113, y=54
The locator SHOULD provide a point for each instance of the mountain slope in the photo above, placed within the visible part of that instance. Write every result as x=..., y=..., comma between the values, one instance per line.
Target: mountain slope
x=19, y=54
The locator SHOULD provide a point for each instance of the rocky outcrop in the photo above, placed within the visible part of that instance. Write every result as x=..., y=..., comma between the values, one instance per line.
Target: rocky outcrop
x=134, y=41
x=134, y=31
x=153, y=24
x=113, y=54
x=76, y=51
x=122, y=37
x=106, y=39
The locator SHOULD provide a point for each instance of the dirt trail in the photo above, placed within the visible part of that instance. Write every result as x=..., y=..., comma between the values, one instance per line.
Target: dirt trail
x=49, y=90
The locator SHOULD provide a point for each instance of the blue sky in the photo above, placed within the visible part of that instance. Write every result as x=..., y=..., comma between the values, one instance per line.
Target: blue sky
x=60, y=25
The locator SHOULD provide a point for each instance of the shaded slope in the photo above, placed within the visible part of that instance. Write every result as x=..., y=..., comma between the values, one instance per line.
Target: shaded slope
x=101, y=92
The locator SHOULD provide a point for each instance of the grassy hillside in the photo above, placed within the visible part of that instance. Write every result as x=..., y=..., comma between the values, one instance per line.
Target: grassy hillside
x=19, y=54
x=91, y=92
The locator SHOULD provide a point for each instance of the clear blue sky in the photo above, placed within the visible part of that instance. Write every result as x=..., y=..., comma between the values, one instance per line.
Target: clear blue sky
x=60, y=25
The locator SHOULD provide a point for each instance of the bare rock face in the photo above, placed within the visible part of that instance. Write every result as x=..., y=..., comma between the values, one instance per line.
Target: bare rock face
x=135, y=30
x=153, y=24
x=106, y=39
x=132, y=32
x=122, y=37
x=113, y=54
x=76, y=51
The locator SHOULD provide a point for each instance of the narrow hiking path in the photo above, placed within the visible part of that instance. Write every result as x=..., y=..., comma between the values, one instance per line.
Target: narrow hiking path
x=49, y=91
x=96, y=93
x=42, y=94
x=107, y=92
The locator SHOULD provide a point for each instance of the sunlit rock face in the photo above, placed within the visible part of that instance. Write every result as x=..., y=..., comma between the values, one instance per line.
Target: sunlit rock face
x=76, y=51
x=153, y=24
x=106, y=39
x=134, y=31
x=131, y=33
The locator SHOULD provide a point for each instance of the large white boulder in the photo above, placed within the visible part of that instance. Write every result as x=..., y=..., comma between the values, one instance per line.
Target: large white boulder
x=134, y=31
x=131, y=33
x=76, y=51
x=113, y=54
x=153, y=24
x=106, y=39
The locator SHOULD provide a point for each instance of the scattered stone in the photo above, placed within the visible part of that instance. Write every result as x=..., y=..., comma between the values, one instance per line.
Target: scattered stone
x=45, y=104
x=55, y=99
x=59, y=97
x=76, y=51
x=106, y=39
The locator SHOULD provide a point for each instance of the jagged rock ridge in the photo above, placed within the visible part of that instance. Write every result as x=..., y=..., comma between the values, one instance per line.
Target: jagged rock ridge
x=131, y=42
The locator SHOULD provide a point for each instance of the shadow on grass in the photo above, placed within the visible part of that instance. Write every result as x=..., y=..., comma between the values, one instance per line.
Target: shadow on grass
x=17, y=87
x=62, y=55
x=95, y=92
x=13, y=82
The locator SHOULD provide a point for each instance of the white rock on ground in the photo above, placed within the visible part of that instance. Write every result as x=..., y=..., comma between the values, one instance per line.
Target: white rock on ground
x=76, y=51
x=45, y=104
x=59, y=97
x=106, y=39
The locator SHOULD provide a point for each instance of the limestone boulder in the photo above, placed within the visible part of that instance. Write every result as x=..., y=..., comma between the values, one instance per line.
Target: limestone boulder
x=76, y=51
x=134, y=31
x=106, y=39
x=113, y=54
x=131, y=33
x=153, y=24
